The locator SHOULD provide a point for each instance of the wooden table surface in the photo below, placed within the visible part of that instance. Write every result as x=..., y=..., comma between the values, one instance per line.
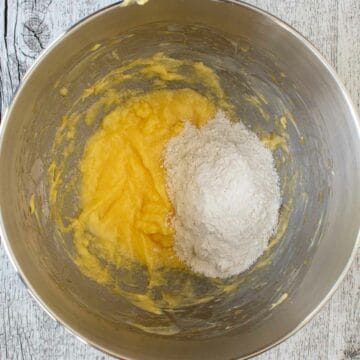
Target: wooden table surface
x=26, y=28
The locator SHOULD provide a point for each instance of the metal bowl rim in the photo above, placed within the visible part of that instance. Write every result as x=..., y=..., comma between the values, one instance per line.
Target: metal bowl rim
x=61, y=37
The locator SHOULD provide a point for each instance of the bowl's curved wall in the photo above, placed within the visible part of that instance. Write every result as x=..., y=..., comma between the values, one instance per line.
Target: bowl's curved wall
x=250, y=51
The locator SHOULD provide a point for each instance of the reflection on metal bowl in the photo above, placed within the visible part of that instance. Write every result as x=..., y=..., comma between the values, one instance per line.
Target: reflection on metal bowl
x=282, y=89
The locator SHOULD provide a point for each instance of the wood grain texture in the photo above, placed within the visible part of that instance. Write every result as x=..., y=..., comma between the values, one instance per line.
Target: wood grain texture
x=26, y=28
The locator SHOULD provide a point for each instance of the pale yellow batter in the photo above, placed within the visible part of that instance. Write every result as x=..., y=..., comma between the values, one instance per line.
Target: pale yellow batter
x=125, y=207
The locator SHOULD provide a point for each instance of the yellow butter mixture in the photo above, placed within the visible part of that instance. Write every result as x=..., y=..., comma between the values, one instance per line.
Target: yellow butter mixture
x=125, y=208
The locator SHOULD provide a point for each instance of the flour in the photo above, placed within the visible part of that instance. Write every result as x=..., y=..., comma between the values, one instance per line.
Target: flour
x=226, y=197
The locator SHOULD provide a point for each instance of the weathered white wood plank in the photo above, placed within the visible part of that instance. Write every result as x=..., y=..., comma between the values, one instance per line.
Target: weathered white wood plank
x=345, y=308
x=27, y=27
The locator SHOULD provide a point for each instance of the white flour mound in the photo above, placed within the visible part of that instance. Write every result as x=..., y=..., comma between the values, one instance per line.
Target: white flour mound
x=225, y=191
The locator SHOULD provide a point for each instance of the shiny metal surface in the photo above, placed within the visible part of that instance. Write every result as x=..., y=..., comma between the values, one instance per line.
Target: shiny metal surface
x=252, y=52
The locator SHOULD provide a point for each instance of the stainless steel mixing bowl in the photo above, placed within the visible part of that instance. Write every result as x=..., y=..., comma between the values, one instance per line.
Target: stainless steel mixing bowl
x=266, y=70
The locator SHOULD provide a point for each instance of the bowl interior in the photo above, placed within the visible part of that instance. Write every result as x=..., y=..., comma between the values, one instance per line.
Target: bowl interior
x=269, y=75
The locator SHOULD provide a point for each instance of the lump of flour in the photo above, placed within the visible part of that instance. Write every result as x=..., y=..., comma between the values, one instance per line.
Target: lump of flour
x=226, y=197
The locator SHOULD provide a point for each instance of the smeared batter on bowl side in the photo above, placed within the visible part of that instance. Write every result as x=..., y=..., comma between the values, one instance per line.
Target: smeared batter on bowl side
x=118, y=225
